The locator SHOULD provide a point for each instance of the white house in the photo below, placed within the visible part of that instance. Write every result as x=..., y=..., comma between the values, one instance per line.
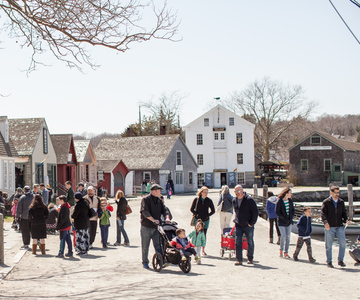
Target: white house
x=8, y=156
x=223, y=145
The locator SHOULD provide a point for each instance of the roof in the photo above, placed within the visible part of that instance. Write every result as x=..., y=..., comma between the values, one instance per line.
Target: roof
x=345, y=145
x=61, y=143
x=24, y=134
x=81, y=147
x=142, y=152
x=223, y=108
x=7, y=149
x=107, y=165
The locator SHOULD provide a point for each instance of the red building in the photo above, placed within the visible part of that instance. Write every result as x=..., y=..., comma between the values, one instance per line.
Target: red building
x=66, y=158
x=111, y=175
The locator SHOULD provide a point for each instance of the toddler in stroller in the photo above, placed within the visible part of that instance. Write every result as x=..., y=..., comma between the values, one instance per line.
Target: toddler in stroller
x=170, y=254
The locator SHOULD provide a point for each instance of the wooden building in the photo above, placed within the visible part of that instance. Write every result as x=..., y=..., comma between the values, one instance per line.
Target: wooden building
x=321, y=159
x=87, y=163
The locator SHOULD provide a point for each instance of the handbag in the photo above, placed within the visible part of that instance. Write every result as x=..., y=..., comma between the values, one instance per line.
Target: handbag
x=128, y=209
x=193, y=217
x=170, y=193
x=227, y=205
x=92, y=213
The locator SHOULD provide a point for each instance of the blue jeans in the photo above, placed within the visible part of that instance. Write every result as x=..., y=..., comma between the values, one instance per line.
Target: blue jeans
x=147, y=234
x=168, y=194
x=249, y=233
x=104, y=229
x=121, y=230
x=329, y=239
x=65, y=237
x=285, y=238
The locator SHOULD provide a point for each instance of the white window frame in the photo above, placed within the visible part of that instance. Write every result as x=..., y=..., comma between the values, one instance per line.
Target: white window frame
x=179, y=178
x=216, y=136
x=206, y=122
x=6, y=174
x=240, y=158
x=222, y=136
x=239, y=138
x=177, y=158
x=200, y=159
x=199, y=139
x=191, y=176
x=240, y=178
x=231, y=121
x=149, y=173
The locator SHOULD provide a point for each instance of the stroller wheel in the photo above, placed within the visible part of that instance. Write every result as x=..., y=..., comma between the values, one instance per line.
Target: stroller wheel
x=185, y=265
x=157, y=262
x=222, y=251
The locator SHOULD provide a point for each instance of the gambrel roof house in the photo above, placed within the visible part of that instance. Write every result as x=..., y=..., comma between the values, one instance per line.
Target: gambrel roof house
x=163, y=157
x=37, y=158
x=87, y=163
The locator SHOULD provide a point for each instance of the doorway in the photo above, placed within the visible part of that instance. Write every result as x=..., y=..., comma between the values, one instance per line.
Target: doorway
x=223, y=179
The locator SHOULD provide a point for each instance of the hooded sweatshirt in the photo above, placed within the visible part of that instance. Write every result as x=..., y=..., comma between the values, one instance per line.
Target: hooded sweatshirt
x=64, y=222
x=270, y=207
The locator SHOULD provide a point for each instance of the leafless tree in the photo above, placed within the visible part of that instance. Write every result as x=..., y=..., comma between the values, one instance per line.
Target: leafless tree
x=274, y=107
x=67, y=27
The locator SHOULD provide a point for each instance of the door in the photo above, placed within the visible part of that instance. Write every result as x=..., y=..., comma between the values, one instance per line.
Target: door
x=223, y=179
x=336, y=172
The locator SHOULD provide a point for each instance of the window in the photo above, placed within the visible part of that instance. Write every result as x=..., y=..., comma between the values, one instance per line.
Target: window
x=327, y=164
x=206, y=122
x=190, y=178
x=200, y=159
x=178, y=158
x=201, y=179
x=199, y=139
x=240, y=178
x=304, y=165
x=87, y=172
x=231, y=122
x=315, y=140
x=216, y=136
x=11, y=171
x=239, y=138
x=222, y=135
x=5, y=174
x=179, y=178
x=240, y=158
x=39, y=172
x=118, y=179
x=147, y=176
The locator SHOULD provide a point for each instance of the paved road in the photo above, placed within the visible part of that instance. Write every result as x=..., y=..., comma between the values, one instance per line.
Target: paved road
x=117, y=272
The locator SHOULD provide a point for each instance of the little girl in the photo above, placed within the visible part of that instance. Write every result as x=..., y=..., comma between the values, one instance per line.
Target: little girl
x=198, y=238
x=104, y=216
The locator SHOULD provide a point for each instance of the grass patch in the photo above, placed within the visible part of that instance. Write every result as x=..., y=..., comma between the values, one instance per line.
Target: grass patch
x=9, y=219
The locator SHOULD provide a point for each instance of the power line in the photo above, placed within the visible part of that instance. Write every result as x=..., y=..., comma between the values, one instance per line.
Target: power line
x=344, y=20
x=355, y=2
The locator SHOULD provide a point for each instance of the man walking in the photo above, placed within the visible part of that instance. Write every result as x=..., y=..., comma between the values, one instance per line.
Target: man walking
x=246, y=214
x=95, y=204
x=44, y=193
x=22, y=212
x=333, y=215
x=81, y=189
x=70, y=195
x=151, y=210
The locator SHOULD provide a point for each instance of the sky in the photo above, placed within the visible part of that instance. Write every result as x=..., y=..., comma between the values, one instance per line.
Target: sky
x=225, y=46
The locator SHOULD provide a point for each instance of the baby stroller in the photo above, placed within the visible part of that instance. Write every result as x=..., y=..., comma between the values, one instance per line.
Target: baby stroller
x=169, y=253
x=228, y=242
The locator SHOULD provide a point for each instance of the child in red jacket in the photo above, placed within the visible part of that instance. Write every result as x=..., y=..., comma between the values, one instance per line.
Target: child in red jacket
x=182, y=243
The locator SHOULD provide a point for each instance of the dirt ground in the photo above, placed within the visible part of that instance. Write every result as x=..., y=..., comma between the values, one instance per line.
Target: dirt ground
x=117, y=272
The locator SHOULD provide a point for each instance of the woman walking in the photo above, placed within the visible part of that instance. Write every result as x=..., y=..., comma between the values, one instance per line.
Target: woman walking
x=226, y=208
x=38, y=213
x=120, y=218
x=200, y=209
x=285, y=213
x=270, y=209
x=81, y=224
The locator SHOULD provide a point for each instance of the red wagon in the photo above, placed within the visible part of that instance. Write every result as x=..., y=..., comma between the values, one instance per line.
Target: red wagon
x=228, y=243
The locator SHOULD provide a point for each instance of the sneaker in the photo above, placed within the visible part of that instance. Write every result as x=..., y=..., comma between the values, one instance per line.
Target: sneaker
x=295, y=258
x=183, y=258
x=60, y=256
x=197, y=257
x=126, y=244
x=312, y=260
x=238, y=263
x=117, y=244
x=250, y=262
x=104, y=246
x=91, y=246
x=330, y=265
x=341, y=263
x=69, y=254
x=199, y=261
x=83, y=253
x=286, y=255
x=146, y=266
x=281, y=253
x=24, y=247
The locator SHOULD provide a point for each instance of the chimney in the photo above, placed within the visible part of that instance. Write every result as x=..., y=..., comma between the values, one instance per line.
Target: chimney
x=162, y=130
x=129, y=132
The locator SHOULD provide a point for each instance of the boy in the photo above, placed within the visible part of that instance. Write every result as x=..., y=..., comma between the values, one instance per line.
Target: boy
x=182, y=243
x=304, y=231
x=104, y=216
x=64, y=226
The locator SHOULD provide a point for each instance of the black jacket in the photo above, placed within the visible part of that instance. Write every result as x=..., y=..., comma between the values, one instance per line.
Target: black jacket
x=151, y=206
x=202, y=210
x=81, y=215
x=334, y=216
x=247, y=213
x=284, y=219
x=64, y=217
x=38, y=214
x=121, y=207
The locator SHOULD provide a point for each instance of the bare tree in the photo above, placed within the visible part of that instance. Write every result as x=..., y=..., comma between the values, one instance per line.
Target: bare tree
x=66, y=27
x=274, y=107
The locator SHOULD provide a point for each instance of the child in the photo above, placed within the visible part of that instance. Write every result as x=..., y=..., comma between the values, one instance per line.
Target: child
x=304, y=231
x=64, y=225
x=104, y=216
x=198, y=239
x=182, y=243
x=13, y=212
x=51, y=220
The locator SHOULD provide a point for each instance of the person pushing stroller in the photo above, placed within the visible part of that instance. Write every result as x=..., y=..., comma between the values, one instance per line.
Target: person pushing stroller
x=182, y=243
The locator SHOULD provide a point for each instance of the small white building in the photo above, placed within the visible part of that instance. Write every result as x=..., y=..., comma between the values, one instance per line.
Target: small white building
x=8, y=156
x=223, y=145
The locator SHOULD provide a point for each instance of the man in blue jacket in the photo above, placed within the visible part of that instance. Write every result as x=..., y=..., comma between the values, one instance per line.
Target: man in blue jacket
x=246, y=214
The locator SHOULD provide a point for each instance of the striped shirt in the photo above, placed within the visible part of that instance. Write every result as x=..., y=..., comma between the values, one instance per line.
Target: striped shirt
x=286, y=202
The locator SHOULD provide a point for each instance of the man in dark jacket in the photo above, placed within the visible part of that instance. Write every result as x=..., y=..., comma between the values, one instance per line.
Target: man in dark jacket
x=333, y=215
x=150, y=212
x=22, y=213
x=246, y=214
